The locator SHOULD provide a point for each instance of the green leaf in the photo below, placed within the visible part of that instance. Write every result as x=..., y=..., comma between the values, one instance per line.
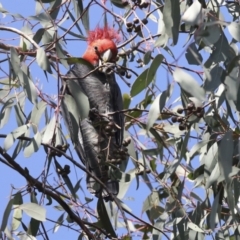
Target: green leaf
x=34, y=210
x=54, y=8
x=50, y=131
x=154, y=112
x=38, y=35
x=193, y=15
x=42, y=60
x=126, y=100
x=193, y=56
x=11, y=137
x=17, y=213
x=5, y=112
x=37, y=113
x=78, y=186
x=33, y=227
x=232, y=84
x=59, y=222
x=6, y=214
x=61, y=55
x=171, y=18
x=214, y=212
x=23, y=75
x=189, y=84
x=212, y=78
x=234, y=30
x=71, y=116
x=66, y=179
x=194, y=227
x=151, y=201
x=147, y=57
x=146, y=77
x=104, y=218
x=225, y=155
x=17, y=218
x=33, y=145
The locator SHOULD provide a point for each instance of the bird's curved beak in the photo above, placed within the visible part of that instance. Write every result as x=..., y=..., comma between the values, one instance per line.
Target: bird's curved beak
x=104, y=58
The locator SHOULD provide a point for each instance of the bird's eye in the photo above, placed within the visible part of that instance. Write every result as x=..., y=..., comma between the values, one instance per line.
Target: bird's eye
x=96, y=48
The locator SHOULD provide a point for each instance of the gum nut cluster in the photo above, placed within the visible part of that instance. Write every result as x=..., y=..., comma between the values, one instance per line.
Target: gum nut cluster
x=190, y=110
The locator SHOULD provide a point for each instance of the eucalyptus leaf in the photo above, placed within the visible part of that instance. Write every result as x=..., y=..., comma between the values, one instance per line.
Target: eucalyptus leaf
x=34, y=210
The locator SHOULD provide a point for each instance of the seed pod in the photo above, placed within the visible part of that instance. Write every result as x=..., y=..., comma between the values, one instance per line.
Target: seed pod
x=129, y=24
x=129, y=30
x=139, y=60
x=200, y=114
x=113, y=161
x=179, y=119
x=108, y=129
x=180, y=110
x=199, y=109
x=136, y=20
x=125, y=149
x=119, y=160
x=144, y=21
x=125, y=3
x=191, y=106
x=182, y=127
x=148, y=171
x=128, y=75
x=111, y=123
x=122, y=72
x=137, y=28
x=174, y=119
x=139, y=172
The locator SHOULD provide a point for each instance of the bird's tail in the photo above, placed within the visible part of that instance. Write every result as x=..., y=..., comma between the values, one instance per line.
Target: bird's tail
x=96, y=162
x=86, y=141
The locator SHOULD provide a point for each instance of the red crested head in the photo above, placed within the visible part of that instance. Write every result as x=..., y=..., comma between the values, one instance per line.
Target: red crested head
x=99, y=41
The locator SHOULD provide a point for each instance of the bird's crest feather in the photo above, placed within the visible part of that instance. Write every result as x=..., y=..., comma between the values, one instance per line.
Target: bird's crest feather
x=104, y=33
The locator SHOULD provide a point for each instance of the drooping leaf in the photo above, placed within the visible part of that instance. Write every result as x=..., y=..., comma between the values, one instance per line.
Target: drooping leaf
x=151, y=201
x=66, y=179
x=54, y=8
x=43, y=61
x=189, y=84
x=154, y=112
x=50, y=131
x=104, y=218
x=225, y=155
x=33, y=145
x=37, y=113
x=34, y=210
x=146, y=77
x=193, y=15
x=11, y=137
x=6, y=214
x=171, y=18
x=126, y=100
x=214, y=212
x=234, y=30
x=192, y=55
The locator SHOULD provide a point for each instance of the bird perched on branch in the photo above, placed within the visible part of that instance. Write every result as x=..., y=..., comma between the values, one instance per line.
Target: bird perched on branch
x=91, y=107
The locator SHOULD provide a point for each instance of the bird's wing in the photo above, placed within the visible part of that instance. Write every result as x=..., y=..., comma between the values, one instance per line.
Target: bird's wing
x=117, y=105
x=70, y=114
x=96, y=161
